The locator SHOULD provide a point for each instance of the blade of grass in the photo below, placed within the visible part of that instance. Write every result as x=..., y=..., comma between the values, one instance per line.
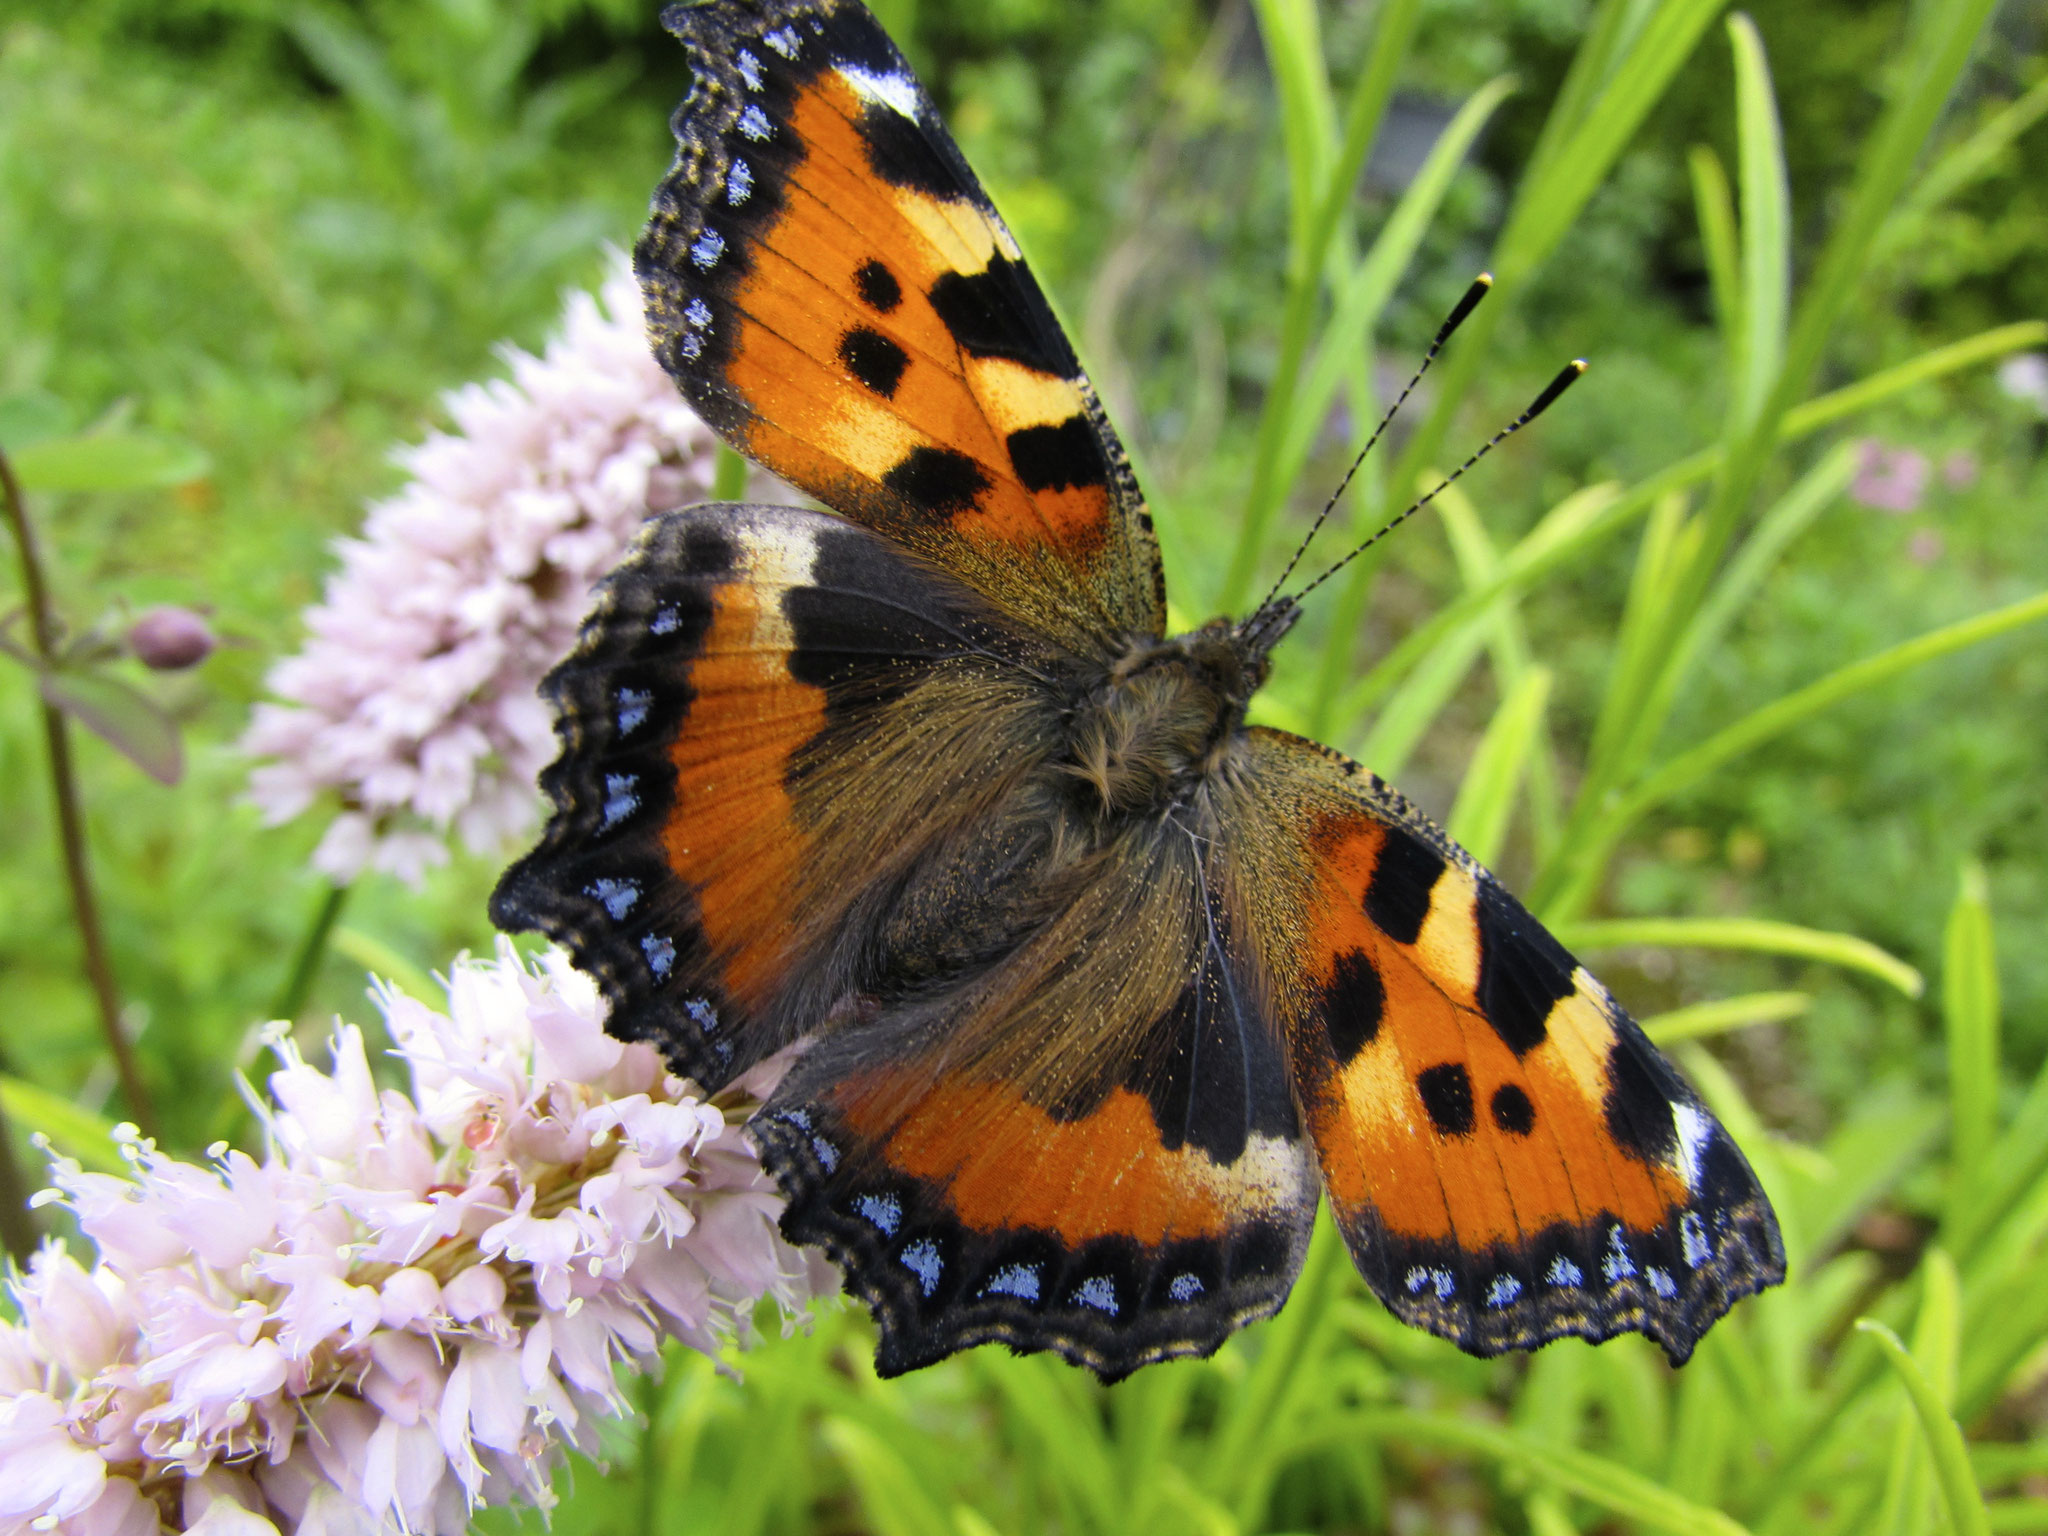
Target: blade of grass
x=73, y=1130
x=384, y=962
x=1940, y=46
x=1746, y=933
x=1959, y=1492
x=1307, y=265
x=2018, y=1160
x=1372, y=282
x=1966, y=163
x=1526, y=565
x=891, y=1497
x=1561, y=894
x=1791, y=515
x=1714, y=207
x=1969, y=996
x=1486, y=798
x=1252, y=1415
x=1616, y=79
x=1593, y=1478
x=1766, y=230
x=1700, y=1020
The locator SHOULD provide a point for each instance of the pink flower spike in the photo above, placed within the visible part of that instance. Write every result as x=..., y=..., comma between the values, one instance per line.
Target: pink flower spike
x=413, y=702
x=388, y=1321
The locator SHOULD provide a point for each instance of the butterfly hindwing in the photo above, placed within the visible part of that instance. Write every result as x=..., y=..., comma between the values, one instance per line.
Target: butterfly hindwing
x=1509, y=1158
x=770, y=714
x=833, y=291
x=1100, y=1158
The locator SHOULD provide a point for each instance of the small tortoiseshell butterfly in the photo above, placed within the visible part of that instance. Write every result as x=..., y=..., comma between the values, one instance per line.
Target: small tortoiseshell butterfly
x=1101, y=984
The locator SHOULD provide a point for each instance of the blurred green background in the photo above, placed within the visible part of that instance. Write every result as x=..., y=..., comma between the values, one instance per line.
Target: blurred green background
x=275, y=231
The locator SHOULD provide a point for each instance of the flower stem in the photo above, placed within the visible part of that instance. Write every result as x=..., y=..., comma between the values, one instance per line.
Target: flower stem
x=99, y=968
x=17, y=1226
x=312, y=950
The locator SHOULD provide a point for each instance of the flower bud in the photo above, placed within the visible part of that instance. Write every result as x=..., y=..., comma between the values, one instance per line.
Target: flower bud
x=170, y=639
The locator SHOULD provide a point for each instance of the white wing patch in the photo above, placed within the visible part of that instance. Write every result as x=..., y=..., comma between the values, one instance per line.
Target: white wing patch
x=898, y=92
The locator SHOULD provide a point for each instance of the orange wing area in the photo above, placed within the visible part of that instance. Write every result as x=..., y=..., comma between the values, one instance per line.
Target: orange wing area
x=829, y=285
x=964, y=1214
x=684, y=866
x=1508, y=1156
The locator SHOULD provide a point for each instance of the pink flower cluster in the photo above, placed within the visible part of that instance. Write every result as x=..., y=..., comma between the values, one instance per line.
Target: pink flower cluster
x=413, y=700
x=410, y=1306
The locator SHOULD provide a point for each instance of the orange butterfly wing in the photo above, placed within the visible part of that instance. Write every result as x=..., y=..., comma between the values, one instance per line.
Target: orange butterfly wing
x=759, y=725
x=1507, y=1155
x=1093, y=1148
x=831, y=288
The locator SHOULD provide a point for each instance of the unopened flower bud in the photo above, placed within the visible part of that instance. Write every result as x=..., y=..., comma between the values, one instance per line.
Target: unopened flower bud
x=170, y=639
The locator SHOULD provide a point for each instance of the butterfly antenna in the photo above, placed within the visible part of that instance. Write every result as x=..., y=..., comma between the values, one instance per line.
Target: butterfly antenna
x=1481, y=286
x=1566, y=378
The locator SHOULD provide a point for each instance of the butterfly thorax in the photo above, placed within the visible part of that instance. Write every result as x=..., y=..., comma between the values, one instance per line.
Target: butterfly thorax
x=1144, y=732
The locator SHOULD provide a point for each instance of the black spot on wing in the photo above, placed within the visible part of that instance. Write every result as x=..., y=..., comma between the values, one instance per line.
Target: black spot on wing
x=1060, y=457
x=1512, y=1111
x=1212, y=1070
x=997, y=312
x=1640, y=1090
x=878, y=287
x=873, y=359
x=939, y=481
x=1523, y=971
x=1446, y=1091
x=904, y=155
x=1353, y=1004
x=1405, y=873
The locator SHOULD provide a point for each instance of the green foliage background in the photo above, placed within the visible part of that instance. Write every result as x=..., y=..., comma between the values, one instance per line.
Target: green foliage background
x=276, y=228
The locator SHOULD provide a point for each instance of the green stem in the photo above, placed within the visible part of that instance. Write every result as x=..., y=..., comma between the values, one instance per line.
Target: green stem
x=17, y=1227
x=312, y=950
x=99, y=969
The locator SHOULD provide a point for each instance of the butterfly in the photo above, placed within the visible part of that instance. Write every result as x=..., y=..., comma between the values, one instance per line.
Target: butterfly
x=1098, y=987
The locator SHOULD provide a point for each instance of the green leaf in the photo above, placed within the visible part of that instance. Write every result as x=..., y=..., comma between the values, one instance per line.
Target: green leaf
x=32, y=417
x=1750, y=933
x=1700, y=1020
x=1714, y=207
x=74, y=1130
x=1969, y=1003
x=1766, y=228
x=124, y=717
x=728, y=475
x=109, y=461
x=1937, y=1334
x=1486, y=799
x=1959, y=1492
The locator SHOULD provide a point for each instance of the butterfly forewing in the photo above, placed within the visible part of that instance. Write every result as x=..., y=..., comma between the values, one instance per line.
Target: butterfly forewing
x=770, y=715
x=832, y=289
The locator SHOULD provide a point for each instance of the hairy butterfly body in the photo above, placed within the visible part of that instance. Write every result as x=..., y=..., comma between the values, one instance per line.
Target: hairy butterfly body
x=1100, y=986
